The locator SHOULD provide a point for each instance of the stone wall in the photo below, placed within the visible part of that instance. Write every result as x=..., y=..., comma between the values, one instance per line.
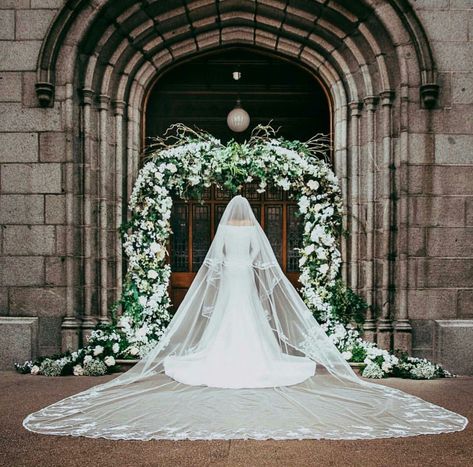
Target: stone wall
x=32, y=214
x=437, y=185
x=441, y=180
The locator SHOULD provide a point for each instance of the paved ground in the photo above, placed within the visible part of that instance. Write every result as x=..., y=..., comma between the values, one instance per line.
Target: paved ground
x=22, y=394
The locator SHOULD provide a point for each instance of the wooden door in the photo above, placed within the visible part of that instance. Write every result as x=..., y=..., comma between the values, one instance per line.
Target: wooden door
x=194, y=225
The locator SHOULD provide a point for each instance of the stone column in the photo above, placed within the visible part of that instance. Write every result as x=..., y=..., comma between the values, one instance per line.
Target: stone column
x=119, y=108
x=355, y=108
x=130, y=164
x=403, y=329
x=385, y=328
x=342, y=172
x=70, y=325
x=103, y=103
x=370, y=323
x=87, y=321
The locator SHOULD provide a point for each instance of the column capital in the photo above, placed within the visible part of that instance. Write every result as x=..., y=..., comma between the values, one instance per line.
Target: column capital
x=119, y=107
x=371, y=102
x=87, y=95
x=103, y=101
x=355, y=108
x=386, y=97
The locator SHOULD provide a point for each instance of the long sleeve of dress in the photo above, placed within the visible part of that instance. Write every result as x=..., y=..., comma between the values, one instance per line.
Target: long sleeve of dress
x=254, y=247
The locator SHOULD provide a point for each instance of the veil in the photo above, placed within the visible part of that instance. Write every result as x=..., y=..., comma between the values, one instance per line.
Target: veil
x=145, y=403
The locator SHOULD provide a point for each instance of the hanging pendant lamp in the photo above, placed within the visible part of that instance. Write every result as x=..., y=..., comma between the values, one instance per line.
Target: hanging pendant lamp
x=238, y=119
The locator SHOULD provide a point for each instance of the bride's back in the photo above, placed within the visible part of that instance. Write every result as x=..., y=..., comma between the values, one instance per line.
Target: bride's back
x=237, y=241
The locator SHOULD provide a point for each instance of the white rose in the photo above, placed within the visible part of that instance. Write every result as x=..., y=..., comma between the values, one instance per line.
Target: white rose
x=109, y=361
x=172, y=168
x=133, y=351
x=78, y=370
x=87, y=359
x=98, y=350
x=155, y=247
x=152, y=274
x=323, y=269
x=386, y=367
x=347, y=355
x=313, y=184
x=116, y=347
x=34, y=370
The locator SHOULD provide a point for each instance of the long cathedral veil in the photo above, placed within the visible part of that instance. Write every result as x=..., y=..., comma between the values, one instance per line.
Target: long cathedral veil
x=144, y=403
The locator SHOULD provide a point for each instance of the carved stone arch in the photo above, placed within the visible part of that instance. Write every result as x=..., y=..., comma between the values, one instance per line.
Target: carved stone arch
x=100, y=56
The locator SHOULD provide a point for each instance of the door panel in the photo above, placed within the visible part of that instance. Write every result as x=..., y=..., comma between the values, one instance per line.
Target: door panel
x=194, y=224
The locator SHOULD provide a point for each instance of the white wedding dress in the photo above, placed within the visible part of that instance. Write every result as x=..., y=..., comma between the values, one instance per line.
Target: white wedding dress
x=243, y=357
x=238, y=348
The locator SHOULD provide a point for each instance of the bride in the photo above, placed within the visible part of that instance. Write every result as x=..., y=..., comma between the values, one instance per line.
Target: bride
x=243, y=357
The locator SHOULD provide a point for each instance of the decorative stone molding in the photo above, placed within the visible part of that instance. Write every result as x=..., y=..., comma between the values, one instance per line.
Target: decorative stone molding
x=45, y=93
x=429, y=94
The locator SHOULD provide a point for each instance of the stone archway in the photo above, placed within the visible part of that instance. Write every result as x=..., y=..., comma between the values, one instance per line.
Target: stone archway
x=100, y=58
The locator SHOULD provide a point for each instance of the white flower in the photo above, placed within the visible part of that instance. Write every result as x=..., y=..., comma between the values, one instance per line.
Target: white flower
x=87, y=359
x=309, y=249
x=284, y=183
x=155, y=247
x=172, y=168
x=304, y=203
x=78, y=370
x=34, y=370
x=386, y=367
x=323, y=269
x=347, y=355
x=329, y=211
x=109, y=361
x=98, y=350
x=340, y=331
x=317, y=233
x=313, y=184
x=142, y=300
x=133, y=351
x=152, y=274
x=115, y=347
x=372, y=370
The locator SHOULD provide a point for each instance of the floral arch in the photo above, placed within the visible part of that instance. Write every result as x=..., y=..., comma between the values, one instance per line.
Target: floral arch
x=197, y=160
x=184, y=165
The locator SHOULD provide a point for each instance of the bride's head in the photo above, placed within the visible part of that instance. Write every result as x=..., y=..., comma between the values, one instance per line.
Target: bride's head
x=238, y=212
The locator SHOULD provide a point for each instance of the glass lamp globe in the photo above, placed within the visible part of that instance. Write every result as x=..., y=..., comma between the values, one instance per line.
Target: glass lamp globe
x=238, y=119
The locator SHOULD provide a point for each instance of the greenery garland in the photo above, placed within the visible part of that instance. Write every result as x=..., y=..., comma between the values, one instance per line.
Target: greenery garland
x=184, y=165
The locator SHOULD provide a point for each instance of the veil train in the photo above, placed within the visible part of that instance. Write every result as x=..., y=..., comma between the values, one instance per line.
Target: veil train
x=326, y=400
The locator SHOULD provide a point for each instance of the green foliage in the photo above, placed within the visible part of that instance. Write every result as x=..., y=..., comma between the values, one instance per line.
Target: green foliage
x=347, y=306
x=359, y=353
